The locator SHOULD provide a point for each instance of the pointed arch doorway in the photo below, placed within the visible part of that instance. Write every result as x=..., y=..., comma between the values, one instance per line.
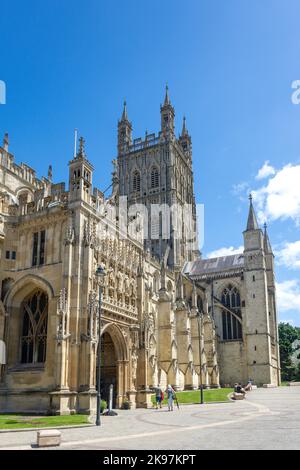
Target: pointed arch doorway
x=114, y=364
x=108, y=368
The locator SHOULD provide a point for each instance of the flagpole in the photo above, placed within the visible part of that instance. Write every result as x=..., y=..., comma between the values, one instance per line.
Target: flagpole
x=75, y=142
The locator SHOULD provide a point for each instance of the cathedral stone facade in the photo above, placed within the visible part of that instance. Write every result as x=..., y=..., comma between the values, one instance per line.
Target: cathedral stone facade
x=167, y=315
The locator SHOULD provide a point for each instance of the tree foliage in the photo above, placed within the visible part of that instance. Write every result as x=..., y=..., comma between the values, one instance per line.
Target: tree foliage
x=288, y=334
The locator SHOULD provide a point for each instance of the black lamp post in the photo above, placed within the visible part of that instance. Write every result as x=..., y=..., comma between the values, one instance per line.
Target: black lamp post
x=100, y=274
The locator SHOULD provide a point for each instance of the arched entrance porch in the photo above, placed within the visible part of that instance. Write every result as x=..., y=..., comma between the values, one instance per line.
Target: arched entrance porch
x=108, y=368
x=114, y=365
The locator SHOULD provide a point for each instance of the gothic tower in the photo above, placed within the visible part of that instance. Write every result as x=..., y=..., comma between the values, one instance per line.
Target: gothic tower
x=124, y=131
x=260, y=335
x=80, y=175
x=156, y=173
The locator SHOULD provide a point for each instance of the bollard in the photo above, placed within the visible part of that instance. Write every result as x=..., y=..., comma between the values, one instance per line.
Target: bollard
x=48, y=438
x=110, y=411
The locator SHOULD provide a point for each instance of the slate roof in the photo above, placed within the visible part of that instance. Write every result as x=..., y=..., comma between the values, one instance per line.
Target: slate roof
x=223, y=266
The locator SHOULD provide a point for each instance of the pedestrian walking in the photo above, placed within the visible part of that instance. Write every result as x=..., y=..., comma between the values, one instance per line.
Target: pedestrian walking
x=171, y=395
x=159, y=396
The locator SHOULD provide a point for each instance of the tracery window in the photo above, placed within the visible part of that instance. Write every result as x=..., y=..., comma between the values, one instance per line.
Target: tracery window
x=154, y=178
x=231, y=322
x=136, y=186
x=34, y=328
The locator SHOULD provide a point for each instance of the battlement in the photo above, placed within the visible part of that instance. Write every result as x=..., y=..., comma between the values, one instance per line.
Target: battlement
x=150, y=140
x=22, y=171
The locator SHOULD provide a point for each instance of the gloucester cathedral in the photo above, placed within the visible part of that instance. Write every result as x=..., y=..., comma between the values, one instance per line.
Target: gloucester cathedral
x=167, y=314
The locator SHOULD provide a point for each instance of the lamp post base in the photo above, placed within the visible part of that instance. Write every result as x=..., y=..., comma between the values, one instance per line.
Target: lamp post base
x=110, y=413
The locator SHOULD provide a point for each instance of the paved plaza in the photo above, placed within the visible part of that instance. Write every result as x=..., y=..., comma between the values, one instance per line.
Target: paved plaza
x=267, y=419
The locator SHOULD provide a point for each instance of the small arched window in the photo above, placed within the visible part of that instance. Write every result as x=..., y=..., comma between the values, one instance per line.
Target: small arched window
x=231, y=316
x=34, y=328
x=136, y=185
x=154, y=178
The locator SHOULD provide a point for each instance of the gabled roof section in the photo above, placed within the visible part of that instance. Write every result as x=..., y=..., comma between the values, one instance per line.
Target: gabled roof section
x=224, y=266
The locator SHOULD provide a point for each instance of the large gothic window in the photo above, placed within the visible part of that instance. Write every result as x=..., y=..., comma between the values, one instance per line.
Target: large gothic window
x=136, y=186
x=154, y=178
x=34, y=328
x=231, y=317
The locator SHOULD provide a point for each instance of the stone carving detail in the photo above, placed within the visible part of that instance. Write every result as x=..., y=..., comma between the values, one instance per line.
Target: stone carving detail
x=70, y=231
x=174, y=365
x=62, y=312
x=134, y=336
x=89, y=233
x=153, y=361
x=92, y=326
x=69, y=235
x=125, y=333
x=148, y=328
x=134, y=361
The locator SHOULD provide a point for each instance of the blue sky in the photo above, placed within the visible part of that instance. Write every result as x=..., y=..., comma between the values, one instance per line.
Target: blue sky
x=229, y=66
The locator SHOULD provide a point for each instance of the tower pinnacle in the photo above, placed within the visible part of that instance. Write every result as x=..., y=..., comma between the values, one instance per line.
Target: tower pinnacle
x=167, y=115
x=252, y=221
x=124, y=115
x=167, y=98
x=184, y=131
x=5, y=142
x=81, y=151
x=124, y=131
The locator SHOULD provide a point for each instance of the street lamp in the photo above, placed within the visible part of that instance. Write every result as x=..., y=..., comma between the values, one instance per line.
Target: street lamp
x=100, y=274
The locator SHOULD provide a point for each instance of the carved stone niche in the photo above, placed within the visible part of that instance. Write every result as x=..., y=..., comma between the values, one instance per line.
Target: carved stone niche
x=69, y=235
x=13, y=209
x=62, y=332
x=134, y=336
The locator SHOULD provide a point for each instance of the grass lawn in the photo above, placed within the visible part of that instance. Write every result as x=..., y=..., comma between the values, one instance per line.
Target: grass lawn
x=22, y=422
x=284, y=384
x=193, y=396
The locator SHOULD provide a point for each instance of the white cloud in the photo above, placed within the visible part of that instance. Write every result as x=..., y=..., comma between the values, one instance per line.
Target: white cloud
x=288, y=295
x=225, y=252
x=289, y=255
x=280, y=198
x=265, y=171
x=241, y=190
x=289, y=321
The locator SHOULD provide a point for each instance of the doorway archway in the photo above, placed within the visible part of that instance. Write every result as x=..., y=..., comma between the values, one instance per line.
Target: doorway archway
x=108, y=368
x=114, y=364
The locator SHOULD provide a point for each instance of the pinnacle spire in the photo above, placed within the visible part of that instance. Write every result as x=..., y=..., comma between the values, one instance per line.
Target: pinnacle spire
x=184, y=131
x=81, y=151
x=50, y=173
x=252, y=221
x=167, y=98
x=125, y=115
x=5, y=141
x=267, y=244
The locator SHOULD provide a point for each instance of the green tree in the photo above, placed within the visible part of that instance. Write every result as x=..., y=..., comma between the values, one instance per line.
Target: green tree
x=287, y=335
